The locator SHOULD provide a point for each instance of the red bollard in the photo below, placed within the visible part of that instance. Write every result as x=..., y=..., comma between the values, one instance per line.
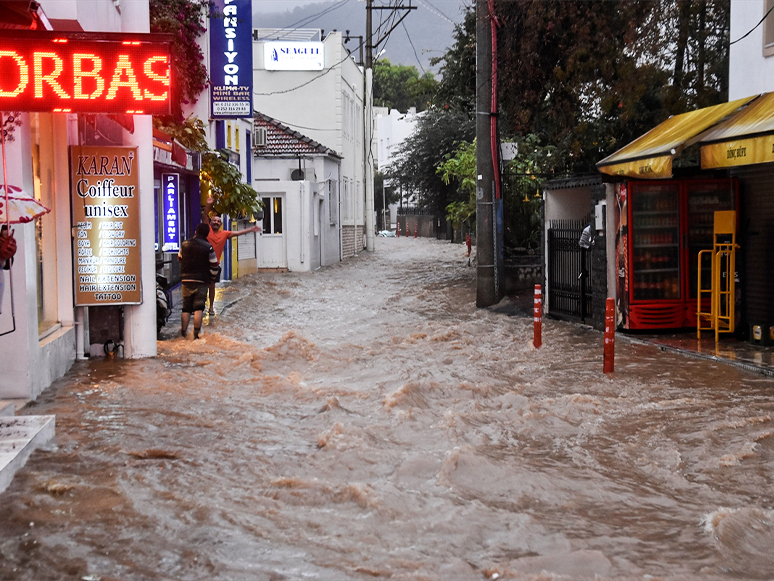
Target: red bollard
x=416, y=226
x=468, y=242
x=608, y=365
x=537, y=340
x=397, y=228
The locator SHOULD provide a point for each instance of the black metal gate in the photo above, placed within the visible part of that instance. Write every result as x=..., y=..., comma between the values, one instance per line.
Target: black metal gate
x=569, y=271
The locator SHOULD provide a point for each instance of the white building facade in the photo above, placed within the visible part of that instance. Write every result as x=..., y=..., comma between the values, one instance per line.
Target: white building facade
x=751, y=59
x=323, y=98
x=297, y=180
x=50, y=332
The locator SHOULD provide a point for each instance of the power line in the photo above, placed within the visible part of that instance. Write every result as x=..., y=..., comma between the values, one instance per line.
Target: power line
x=431, y=8
x=414, y=49
x=307, y=82
x=753, y=28
x=304, y=21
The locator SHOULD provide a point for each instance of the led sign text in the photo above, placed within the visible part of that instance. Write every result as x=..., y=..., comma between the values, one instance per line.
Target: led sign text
x=231, y=58
x=83, y=72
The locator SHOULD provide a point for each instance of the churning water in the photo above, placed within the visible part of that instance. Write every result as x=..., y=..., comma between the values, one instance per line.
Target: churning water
x=367, y=421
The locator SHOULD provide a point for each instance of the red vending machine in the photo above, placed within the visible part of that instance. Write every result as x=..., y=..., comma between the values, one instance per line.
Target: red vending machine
x=663, y=227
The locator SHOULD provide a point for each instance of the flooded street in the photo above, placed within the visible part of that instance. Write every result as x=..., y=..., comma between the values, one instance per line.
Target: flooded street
x=366, y=421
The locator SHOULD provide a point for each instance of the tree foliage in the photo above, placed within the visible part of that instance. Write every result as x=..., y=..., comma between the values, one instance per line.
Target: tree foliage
x=460, y=168
x=183, y=19
x=400, y=87
x=224, y=181
x=590, y=76
x=437, y=134
x=457, y=88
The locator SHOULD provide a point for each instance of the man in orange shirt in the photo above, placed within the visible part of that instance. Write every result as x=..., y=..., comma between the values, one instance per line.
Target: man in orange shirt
x=218, y=238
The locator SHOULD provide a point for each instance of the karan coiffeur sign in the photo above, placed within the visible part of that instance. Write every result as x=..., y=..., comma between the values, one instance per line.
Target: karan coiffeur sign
x=231, y=58
x=106, y=216
x=84, y=72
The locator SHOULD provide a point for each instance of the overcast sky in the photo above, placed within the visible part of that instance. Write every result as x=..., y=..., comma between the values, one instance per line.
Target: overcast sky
x=426, y=32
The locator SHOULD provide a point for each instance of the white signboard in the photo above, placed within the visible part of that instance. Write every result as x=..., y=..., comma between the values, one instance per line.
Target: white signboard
x=293, y=56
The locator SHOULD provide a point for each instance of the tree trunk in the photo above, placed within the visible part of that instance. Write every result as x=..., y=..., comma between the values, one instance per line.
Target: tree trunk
x=683, y=22
x=702, y=39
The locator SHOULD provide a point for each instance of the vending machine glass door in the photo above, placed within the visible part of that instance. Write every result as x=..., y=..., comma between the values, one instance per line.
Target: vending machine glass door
x=655, y=241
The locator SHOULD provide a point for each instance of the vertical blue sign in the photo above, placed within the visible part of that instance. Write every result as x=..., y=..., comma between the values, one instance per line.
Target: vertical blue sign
x=231, y=59
x=170, y=186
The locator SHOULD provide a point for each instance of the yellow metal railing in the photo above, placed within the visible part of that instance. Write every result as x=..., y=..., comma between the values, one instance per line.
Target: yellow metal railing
x=722, y=317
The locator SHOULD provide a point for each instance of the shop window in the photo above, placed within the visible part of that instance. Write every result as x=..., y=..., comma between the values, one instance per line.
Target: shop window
x=768, y=28
x=220, y=134
x=249, y=160
x=42, y=138
x=236, y=138
x=228, y=135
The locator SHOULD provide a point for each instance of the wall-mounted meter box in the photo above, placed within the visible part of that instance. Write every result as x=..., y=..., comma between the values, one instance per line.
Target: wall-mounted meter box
x=600, y=214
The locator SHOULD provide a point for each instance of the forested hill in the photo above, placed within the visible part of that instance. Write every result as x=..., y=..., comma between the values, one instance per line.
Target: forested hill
x=429, y=27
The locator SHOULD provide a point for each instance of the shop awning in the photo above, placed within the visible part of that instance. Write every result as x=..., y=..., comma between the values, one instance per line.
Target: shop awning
x=650, y=156
x=745, y=139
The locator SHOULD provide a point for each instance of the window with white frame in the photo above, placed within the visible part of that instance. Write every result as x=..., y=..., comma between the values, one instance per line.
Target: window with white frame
x=768, y=28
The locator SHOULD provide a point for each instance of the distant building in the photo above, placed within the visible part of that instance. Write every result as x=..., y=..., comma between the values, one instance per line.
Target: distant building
x=314, y=86
x=297, y=179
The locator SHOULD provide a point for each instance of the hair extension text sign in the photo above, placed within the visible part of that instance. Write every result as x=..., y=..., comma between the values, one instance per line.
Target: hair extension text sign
x=84, y=72
x=106, y=216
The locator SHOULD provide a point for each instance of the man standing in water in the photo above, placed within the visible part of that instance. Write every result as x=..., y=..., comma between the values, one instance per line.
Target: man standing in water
x=198, y=267
x=218, y=239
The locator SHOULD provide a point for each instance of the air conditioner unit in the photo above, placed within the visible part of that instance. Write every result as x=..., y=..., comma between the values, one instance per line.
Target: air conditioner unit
x=259, y=137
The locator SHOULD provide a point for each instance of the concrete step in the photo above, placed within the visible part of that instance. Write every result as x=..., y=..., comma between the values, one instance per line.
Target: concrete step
x=19, y=436
x=7, y=408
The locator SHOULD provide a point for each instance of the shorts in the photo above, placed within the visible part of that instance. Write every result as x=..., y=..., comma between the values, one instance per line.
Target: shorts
x=217, y=277
x=194, y=296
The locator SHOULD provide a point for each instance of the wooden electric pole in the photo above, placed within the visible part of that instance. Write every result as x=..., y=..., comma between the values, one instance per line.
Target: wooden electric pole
x=487, y=291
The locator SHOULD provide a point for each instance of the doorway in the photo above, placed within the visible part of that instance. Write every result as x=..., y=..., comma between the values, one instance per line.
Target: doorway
x=272, y=252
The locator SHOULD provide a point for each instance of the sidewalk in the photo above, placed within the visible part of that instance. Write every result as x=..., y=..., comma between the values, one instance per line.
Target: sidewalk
x=755, y=358
x=728, y=350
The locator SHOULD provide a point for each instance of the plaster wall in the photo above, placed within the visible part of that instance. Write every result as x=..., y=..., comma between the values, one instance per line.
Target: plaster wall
x=325, y=106
x=750, y=72
x=306, y=202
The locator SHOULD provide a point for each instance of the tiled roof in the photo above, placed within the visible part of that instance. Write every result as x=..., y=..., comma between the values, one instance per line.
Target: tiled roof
x=282, y=140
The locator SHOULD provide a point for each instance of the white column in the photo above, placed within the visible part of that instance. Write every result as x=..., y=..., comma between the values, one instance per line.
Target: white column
x=140, y=320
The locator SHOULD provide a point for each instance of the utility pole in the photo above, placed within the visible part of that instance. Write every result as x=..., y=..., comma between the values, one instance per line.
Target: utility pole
x=487, y=291
x=368, y=116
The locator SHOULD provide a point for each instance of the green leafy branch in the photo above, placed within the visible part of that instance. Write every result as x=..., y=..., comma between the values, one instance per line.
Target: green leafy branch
x=461, y=168
x=224, y=180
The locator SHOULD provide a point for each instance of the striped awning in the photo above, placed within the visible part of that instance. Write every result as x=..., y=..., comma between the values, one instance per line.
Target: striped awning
x=650, y=156
x=746, y=138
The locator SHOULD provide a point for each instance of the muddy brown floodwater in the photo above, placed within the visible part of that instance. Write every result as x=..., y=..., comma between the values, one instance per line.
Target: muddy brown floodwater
x=367, y=421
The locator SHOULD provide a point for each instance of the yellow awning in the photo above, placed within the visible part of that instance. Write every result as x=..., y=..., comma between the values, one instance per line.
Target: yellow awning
x=745, y=139
x=650, y=156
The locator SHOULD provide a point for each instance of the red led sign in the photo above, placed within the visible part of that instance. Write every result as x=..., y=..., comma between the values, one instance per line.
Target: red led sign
x=85, y=72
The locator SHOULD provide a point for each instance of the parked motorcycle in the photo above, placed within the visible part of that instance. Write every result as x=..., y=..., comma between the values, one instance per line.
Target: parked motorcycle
x=163, y=302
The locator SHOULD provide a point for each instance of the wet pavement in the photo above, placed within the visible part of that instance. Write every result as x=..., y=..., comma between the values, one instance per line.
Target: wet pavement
x=367, y=421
